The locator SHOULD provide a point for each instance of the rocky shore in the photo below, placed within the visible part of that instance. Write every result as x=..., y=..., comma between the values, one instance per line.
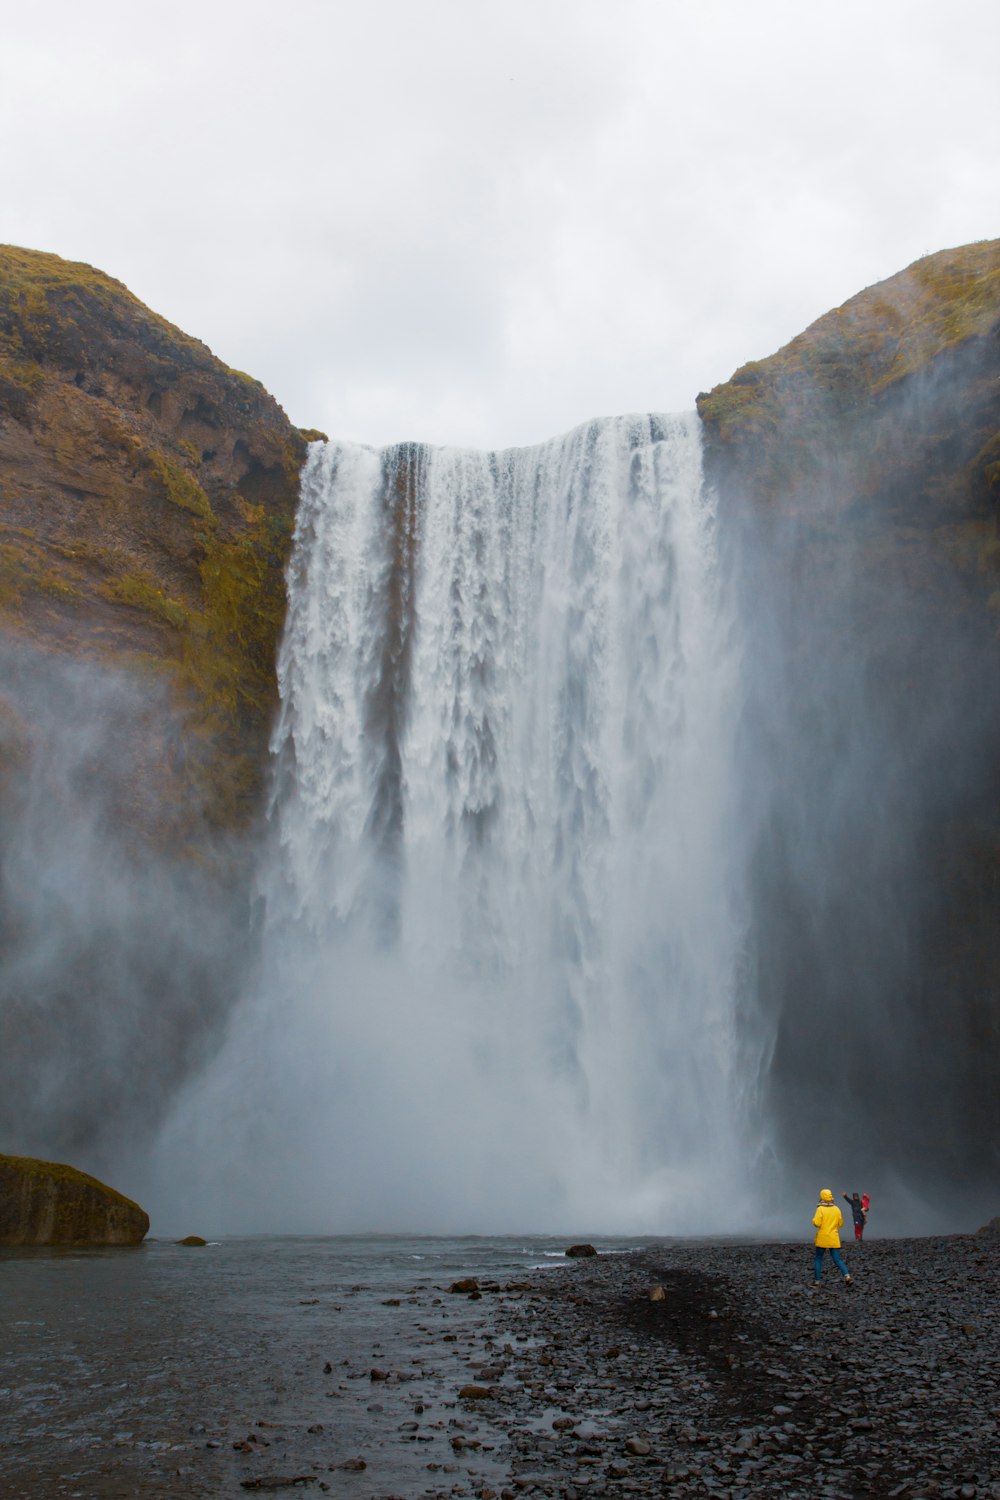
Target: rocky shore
x=693, y=1371
x=741, y=1381
x=676, y=1370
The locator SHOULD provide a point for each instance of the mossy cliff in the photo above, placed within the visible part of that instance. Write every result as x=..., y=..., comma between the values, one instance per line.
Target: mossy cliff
x=891, y=401
x=858, y=470
x=47, y=1203
x=147, y=497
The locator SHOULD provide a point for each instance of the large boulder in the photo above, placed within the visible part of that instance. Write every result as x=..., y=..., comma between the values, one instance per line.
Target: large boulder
x=47, y=1203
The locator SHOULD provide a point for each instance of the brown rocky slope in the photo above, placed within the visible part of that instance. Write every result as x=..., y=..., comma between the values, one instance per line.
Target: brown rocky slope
x=147, y=496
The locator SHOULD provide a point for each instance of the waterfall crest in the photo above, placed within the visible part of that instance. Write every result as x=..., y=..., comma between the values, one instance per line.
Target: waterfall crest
x=503, y=927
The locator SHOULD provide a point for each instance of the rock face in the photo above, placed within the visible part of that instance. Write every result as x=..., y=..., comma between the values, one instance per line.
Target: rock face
x=890, y=400
x=858, y=471
x=46, y=1203
x=148, y=495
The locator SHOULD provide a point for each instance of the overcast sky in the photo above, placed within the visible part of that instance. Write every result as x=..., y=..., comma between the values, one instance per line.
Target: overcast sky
x=484, y=223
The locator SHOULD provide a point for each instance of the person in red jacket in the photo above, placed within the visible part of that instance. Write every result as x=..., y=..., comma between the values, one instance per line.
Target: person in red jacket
x=858, y=1212
x=827, y=1221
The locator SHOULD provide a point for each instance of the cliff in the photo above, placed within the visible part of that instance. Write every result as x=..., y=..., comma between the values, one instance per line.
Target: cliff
x=46, y=1203
x=892, y=397
x=859, y=468
x=147, y=497
x=147, y=500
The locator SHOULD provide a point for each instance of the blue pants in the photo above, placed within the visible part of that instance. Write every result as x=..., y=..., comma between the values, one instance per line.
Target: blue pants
x=835, y=1256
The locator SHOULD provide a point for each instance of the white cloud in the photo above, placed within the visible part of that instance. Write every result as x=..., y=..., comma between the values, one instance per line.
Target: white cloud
x=479, y=223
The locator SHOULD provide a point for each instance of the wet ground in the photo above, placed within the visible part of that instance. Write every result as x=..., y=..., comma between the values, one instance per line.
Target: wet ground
x=286, y=1367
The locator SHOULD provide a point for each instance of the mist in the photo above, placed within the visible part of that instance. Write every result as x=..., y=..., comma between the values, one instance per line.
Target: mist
x=117, y=961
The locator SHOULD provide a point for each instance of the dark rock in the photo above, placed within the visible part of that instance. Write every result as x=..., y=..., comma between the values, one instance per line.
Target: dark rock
x=47, y=1203
x=278, y=1482
x=467, y=1284
x=192, y=1239
x=579, y=1252
x=638, y=1447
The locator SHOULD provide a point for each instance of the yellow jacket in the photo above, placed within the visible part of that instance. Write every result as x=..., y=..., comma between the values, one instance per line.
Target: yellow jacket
x=827, y=1220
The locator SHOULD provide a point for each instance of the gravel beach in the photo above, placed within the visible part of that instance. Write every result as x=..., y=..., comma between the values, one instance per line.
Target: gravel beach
x=734, y=1379
x=743, y=1381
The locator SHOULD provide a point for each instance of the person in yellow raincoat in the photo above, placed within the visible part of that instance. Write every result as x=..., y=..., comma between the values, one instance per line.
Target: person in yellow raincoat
x=827, y=1220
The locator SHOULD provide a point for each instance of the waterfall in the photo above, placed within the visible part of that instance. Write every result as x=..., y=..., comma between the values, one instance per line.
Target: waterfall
x=503, y=931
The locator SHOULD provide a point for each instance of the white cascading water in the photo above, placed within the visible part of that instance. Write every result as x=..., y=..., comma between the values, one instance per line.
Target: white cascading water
x=503, y=938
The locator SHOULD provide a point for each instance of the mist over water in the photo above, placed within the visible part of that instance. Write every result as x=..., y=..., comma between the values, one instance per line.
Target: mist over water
x=504, y=908
x=116, y=962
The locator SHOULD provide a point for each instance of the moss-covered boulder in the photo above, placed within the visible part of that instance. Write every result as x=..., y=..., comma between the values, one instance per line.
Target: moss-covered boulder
x=47, y=1203
x=148, y=495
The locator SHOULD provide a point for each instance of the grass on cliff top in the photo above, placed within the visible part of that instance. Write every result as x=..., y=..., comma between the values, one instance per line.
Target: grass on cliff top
x=852, y=354
x=51, y=308
x=28, y=277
